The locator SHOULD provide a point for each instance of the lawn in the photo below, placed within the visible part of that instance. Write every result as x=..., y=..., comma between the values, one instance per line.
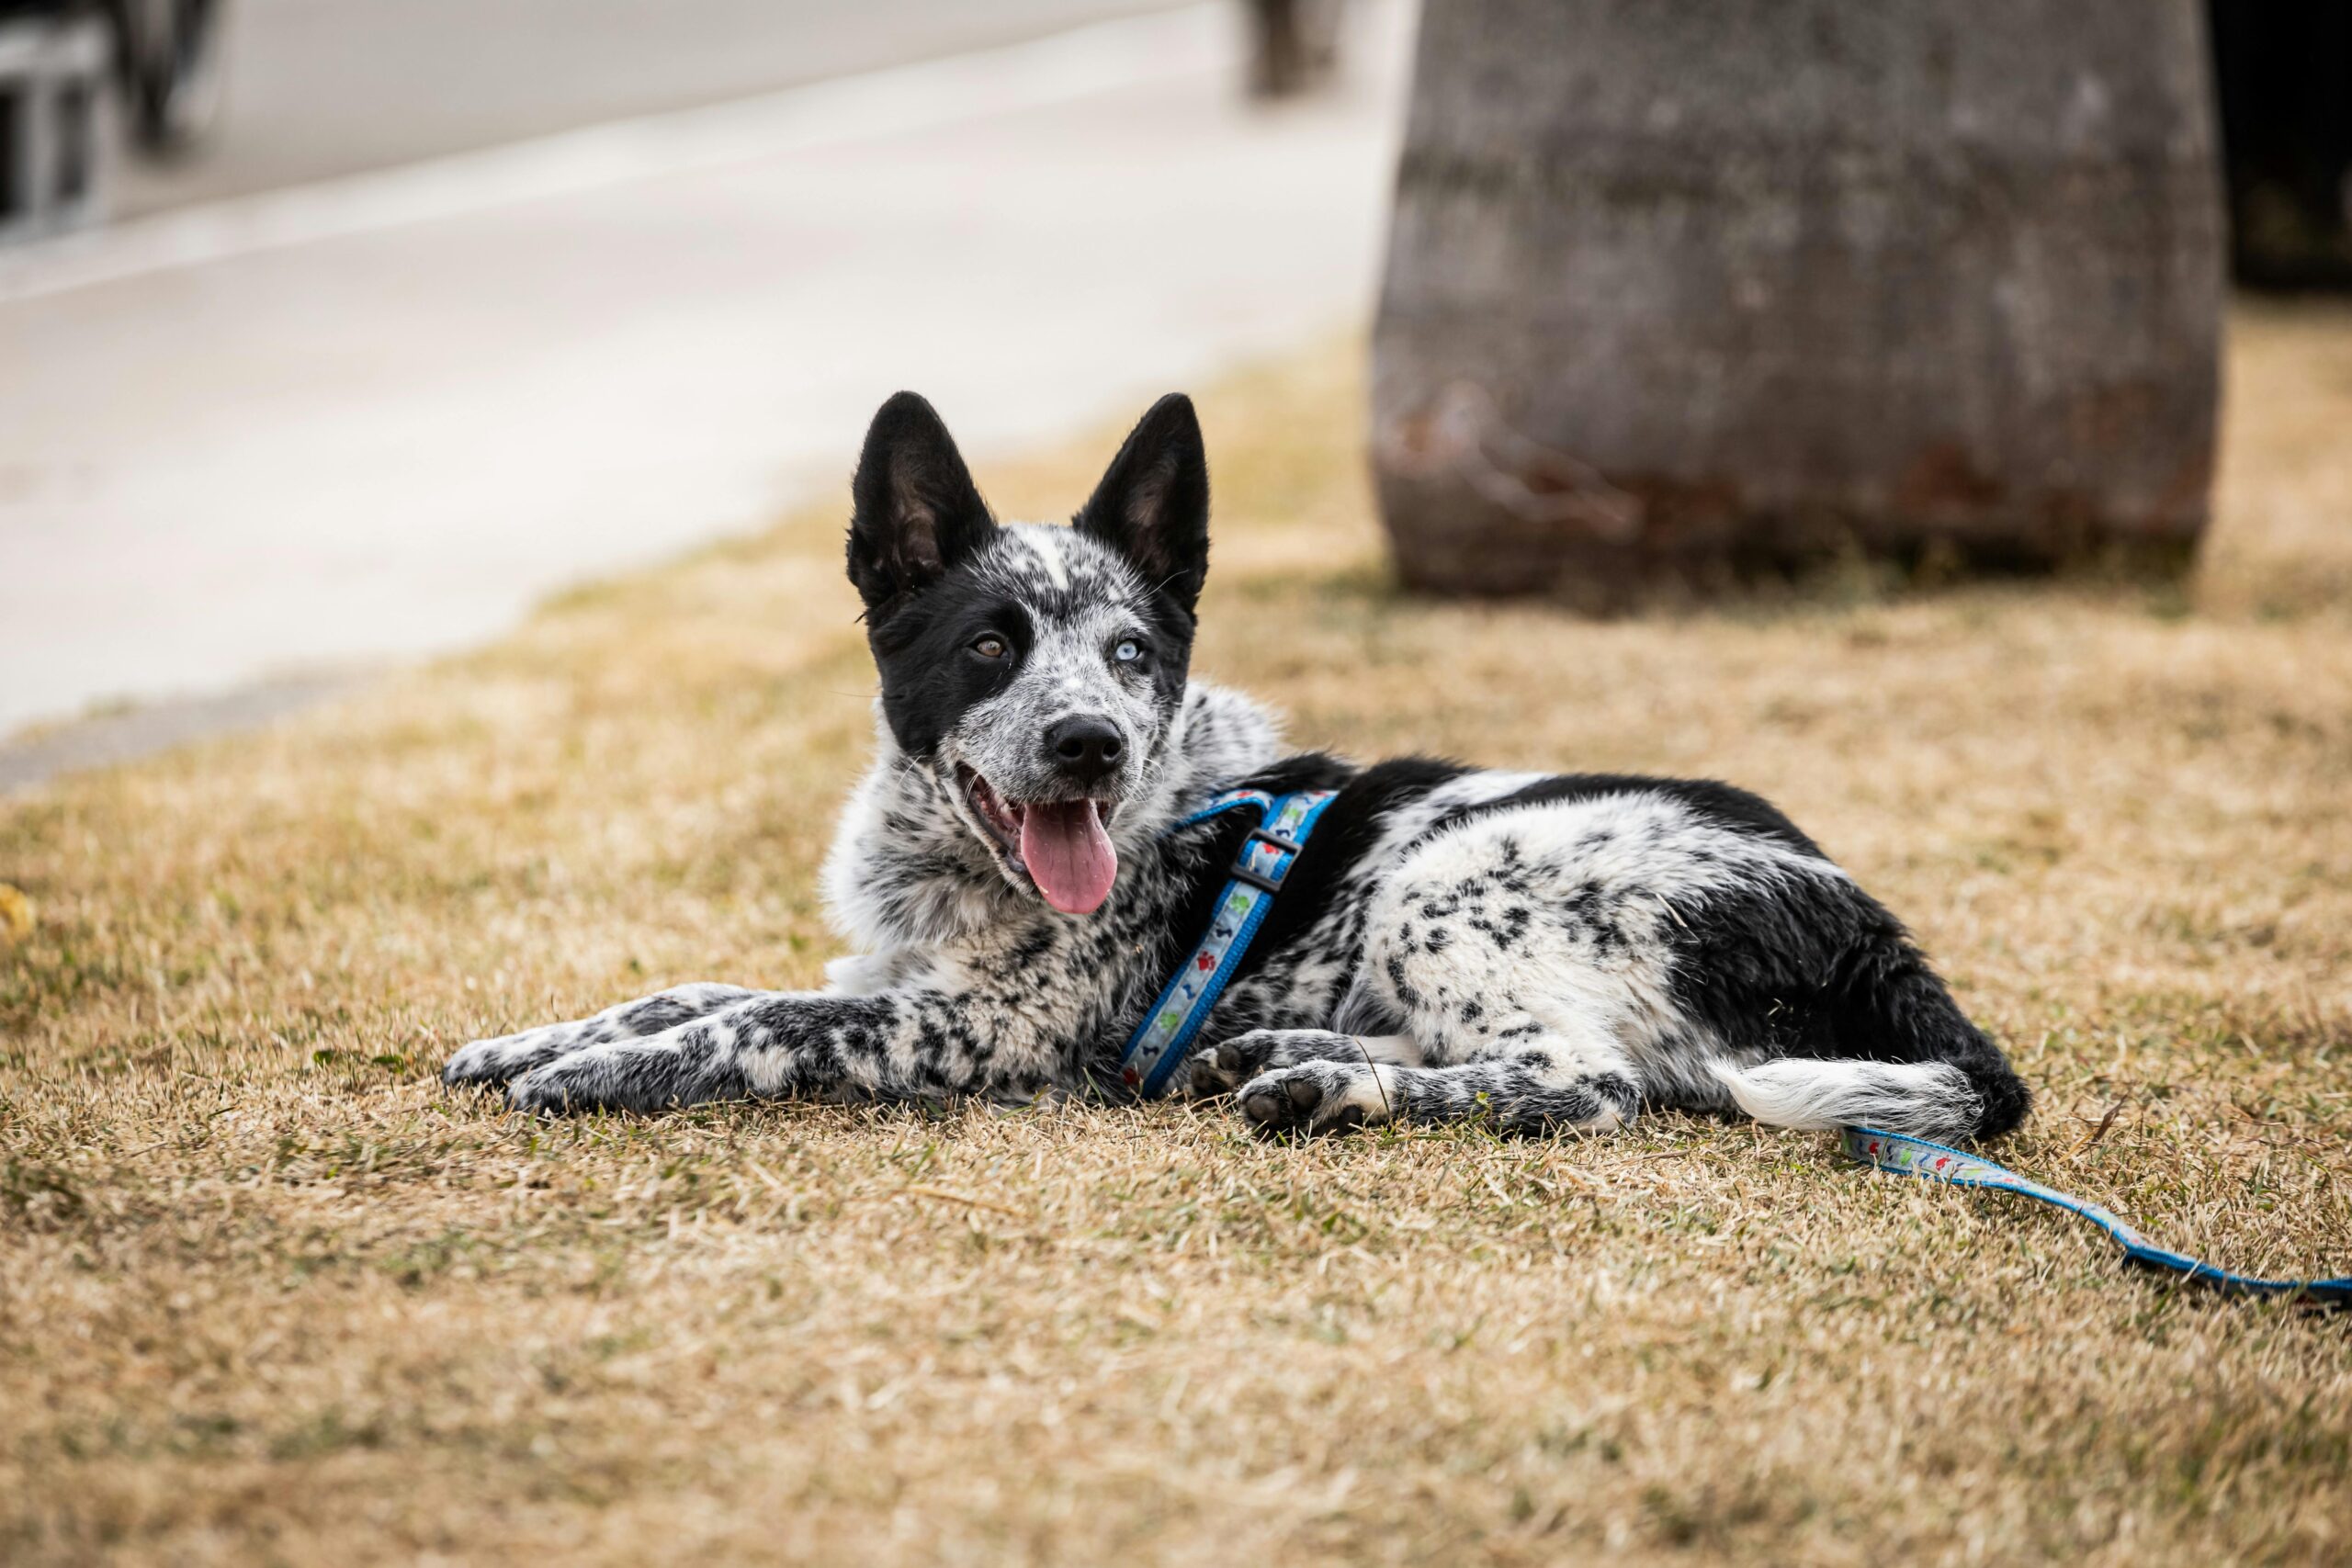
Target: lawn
x=268, y=1294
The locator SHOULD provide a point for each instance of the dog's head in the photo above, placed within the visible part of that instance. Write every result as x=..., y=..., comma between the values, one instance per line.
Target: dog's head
x=1036, y=671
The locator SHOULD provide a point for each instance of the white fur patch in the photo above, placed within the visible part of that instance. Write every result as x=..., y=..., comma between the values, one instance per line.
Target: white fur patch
x=1624, y=855
x=1927, y=1100
x=1045, y=544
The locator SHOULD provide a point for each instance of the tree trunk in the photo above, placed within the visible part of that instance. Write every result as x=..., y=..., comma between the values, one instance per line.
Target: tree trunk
x=1677, y=289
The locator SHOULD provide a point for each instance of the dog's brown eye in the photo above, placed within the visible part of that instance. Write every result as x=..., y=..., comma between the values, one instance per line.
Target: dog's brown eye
x=989, y=646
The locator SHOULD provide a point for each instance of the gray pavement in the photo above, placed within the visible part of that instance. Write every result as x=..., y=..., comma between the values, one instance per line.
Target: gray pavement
x=378, y=418
x=317, y=88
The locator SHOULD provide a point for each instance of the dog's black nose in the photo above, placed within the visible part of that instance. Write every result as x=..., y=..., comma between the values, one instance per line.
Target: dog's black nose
x=1085, y=748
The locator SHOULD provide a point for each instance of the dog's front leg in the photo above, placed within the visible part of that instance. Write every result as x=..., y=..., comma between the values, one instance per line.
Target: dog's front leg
x=897, y=1045
x=508, y=1056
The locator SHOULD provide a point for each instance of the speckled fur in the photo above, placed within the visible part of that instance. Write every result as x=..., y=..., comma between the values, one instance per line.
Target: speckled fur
x=1537, y=952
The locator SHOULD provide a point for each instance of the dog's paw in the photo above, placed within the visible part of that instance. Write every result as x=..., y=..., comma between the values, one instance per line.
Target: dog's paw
x=593, y=1079
x=1316, y=1096
x=488, y=1062
x=1229, y=1064
x=661, y=1072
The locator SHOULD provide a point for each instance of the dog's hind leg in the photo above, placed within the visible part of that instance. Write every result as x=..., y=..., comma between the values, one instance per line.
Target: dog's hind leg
x=1227, y=1065
x=1550, y=1061
x=1545, y=1084
x=1540, y=1064
x=509, y=1057
x=1523, y=989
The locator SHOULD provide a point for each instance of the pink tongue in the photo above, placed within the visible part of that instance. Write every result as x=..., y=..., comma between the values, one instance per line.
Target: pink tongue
x=1069, y=856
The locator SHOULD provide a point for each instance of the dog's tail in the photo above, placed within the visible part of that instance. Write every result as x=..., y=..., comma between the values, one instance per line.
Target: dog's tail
x=1937, y=1075
x=1927, y=1100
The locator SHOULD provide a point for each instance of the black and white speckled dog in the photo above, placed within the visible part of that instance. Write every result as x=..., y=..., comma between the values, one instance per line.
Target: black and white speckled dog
x=1538, y=952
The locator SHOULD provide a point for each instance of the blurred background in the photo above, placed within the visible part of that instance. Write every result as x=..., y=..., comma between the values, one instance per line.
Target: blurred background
x=338, y=332
x=396, y=318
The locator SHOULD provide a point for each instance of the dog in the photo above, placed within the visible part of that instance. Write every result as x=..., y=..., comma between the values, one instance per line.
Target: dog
x=1024, y=866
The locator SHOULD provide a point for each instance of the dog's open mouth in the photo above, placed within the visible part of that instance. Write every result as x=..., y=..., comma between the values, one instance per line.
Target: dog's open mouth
x=1063, y=845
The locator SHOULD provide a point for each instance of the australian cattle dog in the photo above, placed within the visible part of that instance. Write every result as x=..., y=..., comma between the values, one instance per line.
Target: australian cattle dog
x=1051, y=855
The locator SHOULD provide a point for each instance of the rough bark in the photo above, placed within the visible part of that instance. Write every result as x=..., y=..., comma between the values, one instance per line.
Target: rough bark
x=1678, y=289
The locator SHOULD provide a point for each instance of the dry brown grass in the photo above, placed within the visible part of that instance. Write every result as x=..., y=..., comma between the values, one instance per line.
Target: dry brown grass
x=268, y=1294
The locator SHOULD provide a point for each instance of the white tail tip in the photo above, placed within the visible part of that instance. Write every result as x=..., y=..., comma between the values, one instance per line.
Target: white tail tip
x=1927, y=1100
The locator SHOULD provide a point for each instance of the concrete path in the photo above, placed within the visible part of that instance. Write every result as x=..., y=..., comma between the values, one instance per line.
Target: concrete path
x=319, y=88
x=379, y=418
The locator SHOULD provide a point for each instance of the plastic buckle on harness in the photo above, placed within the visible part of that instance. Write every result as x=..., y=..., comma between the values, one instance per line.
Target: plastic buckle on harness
x=1242, y=872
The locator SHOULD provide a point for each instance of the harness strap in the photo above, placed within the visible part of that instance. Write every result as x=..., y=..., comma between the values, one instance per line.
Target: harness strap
x=1161, y=1041
x=1898, y=1154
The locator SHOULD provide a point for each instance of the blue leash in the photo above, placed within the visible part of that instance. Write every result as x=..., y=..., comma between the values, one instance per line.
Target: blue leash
x=1898, y=1154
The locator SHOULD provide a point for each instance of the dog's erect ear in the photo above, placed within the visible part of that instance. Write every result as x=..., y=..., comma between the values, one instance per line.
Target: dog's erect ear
x=918, y=513
x=1153, y=503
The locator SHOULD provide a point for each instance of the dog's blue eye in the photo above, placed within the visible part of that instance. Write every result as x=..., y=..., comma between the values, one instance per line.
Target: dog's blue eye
x=1127, y=652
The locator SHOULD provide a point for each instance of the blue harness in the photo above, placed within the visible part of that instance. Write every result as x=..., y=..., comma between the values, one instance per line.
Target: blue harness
x=1158, y=1046
x=1161, y=1040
